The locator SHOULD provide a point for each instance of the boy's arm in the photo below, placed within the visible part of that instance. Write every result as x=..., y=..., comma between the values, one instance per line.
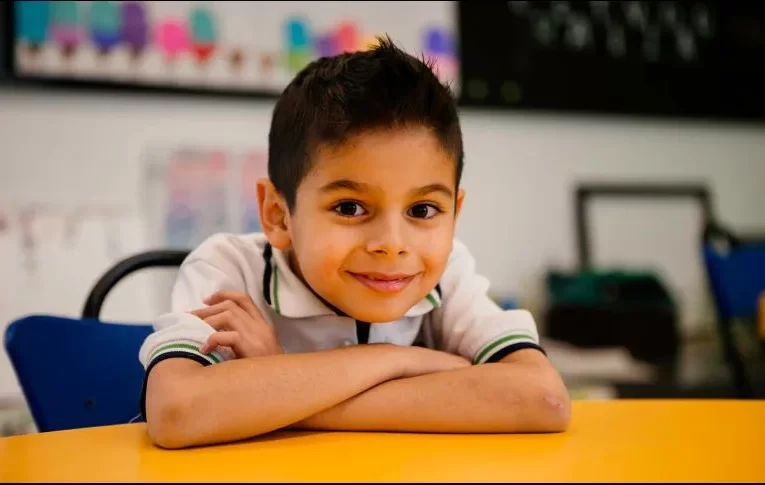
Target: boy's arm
x=521, y=393
x=194, y=396
x=188, y=404
x=197, y=393
x=511, y=388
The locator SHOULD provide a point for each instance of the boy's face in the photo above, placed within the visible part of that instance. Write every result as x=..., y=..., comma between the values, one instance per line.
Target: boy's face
x=373, y=222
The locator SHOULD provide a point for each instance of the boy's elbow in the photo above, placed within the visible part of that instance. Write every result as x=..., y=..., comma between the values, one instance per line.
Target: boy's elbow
x=552, y=400
x=168, y=437
x=166, y=420
x=544, y=407
x=555, y=411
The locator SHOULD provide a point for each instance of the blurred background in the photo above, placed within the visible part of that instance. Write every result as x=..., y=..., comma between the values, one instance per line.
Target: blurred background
x=615, y=163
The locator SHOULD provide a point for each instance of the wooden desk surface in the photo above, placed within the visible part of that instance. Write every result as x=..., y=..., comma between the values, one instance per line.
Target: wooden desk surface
x=608, y=440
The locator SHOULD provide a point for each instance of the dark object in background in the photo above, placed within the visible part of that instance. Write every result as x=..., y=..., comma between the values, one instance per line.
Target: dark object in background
x=595, y=309
x=5, y=68
x=608, y=307
x=669, y=58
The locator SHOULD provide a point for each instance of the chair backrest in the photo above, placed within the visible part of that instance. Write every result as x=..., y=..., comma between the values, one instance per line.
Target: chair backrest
x=163, y=258
x=737, y=276
x=77, y=373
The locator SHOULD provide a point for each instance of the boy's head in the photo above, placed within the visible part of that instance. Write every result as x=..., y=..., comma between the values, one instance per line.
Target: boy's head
x=365, y=160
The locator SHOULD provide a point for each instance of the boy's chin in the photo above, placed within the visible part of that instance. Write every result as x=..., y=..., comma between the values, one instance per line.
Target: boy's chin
x=372, y=313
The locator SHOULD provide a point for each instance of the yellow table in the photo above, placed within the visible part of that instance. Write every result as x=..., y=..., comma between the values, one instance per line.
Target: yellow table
x=608, y=440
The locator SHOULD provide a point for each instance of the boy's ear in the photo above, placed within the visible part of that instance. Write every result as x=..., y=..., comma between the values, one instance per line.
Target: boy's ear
x=460, y=200
x=274, y=214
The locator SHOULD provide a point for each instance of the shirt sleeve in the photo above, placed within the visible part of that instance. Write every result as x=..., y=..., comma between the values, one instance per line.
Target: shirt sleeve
x=469, y=323
x=178, y=333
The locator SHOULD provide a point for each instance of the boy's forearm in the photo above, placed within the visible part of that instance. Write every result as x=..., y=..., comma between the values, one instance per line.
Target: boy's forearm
x=192, y=405
x=505, y=397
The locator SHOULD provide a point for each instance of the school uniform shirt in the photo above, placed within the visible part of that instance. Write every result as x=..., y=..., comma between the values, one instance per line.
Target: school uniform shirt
x=457, y=316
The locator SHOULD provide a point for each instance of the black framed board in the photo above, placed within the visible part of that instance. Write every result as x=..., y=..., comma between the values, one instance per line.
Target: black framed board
x=668, y=58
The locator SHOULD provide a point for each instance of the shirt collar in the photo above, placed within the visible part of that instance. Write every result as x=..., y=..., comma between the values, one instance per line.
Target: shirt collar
x=290, y=297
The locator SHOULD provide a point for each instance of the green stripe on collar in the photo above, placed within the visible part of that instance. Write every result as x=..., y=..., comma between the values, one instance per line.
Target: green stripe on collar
x=275, y=295
x=433, y=299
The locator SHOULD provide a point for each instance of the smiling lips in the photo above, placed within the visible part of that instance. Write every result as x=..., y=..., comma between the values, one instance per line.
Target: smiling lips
x=384, y=283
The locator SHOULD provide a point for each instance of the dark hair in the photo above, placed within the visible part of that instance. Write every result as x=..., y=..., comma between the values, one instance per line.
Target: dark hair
x=333, y=98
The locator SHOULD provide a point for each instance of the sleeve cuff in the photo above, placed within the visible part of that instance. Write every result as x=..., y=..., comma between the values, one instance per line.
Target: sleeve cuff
x=497, y=356
x=190, y=347
x=504, y=345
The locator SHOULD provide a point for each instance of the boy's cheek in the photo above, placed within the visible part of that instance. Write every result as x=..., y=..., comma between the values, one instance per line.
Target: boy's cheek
x=435, y=252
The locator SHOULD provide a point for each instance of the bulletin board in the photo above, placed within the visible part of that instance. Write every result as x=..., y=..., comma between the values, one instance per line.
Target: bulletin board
x=221, y=46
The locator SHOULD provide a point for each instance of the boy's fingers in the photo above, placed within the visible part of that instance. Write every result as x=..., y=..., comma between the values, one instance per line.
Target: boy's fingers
x=242, y=299
x=215, y=308
x=220, y=339
x=207, y=312
x=226, y=306
x=223, y=321
x=222, y=295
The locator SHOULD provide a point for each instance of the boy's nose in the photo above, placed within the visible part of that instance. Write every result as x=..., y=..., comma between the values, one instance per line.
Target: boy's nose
x=387, y=239
x=386, y=248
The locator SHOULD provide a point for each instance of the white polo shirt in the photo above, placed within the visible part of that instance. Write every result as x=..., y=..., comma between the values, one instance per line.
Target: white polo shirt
x=457, y=316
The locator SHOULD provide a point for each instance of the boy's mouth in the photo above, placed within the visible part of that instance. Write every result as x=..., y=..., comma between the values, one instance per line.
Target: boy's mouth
x=384, y=283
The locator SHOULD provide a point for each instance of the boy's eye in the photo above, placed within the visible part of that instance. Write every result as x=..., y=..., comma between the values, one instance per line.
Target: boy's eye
x=423, y=211
x=349, y=209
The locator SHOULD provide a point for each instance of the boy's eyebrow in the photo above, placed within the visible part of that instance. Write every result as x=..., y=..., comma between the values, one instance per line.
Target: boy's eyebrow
x=428, y=189
x=344, y=184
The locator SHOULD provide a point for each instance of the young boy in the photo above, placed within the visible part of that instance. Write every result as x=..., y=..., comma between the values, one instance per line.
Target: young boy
x=355, y=309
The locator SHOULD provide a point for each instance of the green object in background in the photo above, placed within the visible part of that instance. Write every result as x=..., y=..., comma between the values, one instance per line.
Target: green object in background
x=105, y=24
x=614, y=308
x=298, y=59
x=298, y=49
x=104, y=16
x=32, y=21
x=64, y=13
x=604, y=288
x=202, y=26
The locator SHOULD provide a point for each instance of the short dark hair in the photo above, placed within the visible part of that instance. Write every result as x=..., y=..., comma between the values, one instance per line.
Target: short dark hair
x=333, y=98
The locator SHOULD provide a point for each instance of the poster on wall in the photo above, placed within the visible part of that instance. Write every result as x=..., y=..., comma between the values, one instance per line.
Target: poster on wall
x=254, y=166
x=249, y=47
x=193, y=192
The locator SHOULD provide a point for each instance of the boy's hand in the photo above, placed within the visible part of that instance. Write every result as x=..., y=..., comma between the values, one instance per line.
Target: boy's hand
x=238, y=324
x=420, y=361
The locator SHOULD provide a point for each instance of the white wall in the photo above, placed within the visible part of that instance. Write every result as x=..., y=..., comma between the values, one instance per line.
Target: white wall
x=87, y=148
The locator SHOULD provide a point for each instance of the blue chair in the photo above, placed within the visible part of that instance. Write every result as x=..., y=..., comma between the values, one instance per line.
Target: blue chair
x=78, y=373
x=735, y=269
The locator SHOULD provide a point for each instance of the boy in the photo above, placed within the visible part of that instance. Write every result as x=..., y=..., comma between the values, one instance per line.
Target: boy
x=355, y=309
